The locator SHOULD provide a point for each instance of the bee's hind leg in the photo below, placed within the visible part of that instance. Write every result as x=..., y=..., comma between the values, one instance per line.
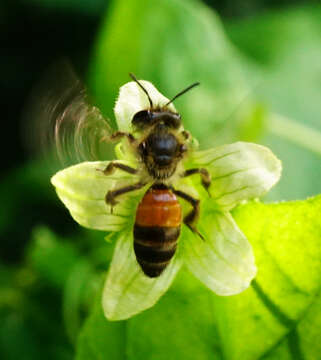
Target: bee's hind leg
x=191, y=218
x=205, y=177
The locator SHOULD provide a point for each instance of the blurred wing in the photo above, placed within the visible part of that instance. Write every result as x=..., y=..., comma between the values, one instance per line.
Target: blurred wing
x=60, y=121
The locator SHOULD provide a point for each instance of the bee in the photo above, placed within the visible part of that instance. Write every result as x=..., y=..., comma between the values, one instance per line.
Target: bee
x=161, y=148
x=158, y=141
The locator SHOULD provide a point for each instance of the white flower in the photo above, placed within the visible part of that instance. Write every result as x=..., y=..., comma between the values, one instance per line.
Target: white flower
x=224, y=261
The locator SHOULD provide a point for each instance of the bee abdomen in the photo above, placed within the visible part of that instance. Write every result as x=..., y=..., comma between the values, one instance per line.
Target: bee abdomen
x=154, y=247
x=156, y=230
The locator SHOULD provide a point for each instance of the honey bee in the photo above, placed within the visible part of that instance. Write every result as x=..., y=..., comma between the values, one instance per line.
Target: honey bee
x=161, y=148
x=158, y=140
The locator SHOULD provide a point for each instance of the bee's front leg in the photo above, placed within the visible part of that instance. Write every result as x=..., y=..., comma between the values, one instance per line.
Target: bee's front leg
x=116, y=136
x=113, y=165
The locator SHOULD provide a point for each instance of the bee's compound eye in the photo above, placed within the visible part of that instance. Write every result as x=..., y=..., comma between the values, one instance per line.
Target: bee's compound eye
x=174, y=121
x=142, y=118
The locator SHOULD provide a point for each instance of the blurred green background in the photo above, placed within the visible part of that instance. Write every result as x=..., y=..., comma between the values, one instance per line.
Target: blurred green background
x=259, y=64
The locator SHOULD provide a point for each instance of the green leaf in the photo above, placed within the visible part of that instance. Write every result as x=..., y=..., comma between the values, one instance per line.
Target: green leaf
x=287, y=244
x=101, y=339
x=180, y=326
x=278, y=317
x=60, y=265
x=78, y=286
x=172, y=44
x=287, y=43
x=25, y=299
x=51, y=258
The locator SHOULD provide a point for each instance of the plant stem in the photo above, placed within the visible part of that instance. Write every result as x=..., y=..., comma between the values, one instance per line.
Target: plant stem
x=295, y=132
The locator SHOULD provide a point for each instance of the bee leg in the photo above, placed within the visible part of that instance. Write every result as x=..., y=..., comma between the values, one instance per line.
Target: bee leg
x=112, y=194
x=205, y=176
x=186, y=134
x=113, y=165
x=191, y=218
x=117, y=136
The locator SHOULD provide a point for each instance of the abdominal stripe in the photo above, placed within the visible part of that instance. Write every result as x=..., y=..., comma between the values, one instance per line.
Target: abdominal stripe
x=156, y=235
x=151, y=255
x=154, y=247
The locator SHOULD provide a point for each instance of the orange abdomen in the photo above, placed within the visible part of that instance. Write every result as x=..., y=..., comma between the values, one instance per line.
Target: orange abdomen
x=156, y=230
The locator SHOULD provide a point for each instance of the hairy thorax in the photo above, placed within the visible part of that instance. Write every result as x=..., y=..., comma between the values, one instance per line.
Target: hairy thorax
x=161, y=152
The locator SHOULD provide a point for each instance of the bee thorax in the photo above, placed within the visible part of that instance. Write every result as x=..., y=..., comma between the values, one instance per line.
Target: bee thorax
x=160, y=153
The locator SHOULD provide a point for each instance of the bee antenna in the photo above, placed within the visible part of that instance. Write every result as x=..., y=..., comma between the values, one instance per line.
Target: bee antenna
x=142, y=87
x=182, y=92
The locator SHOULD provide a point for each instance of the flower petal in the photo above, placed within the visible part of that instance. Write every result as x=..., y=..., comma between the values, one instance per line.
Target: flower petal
x=240, y=171
x=224, y=261
x=82, y=189
x=132, y=99
x=127, y=290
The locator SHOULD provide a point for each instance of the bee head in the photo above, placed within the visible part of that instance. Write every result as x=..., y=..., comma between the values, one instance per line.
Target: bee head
x=146, y=118
x=155, y=114
x=160, y=150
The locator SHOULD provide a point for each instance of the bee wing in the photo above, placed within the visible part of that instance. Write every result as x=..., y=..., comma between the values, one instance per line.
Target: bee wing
x=62, y=122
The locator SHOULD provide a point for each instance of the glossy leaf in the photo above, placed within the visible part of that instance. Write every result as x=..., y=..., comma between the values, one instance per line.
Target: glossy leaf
x=278, y=317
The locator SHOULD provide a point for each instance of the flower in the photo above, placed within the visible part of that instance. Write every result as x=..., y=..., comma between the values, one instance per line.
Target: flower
x=223, y=261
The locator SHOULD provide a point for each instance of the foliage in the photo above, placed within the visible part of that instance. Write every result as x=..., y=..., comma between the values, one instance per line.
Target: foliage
x=277, y=318
x=45, y=299
x=287, y=46
x=215, y=63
